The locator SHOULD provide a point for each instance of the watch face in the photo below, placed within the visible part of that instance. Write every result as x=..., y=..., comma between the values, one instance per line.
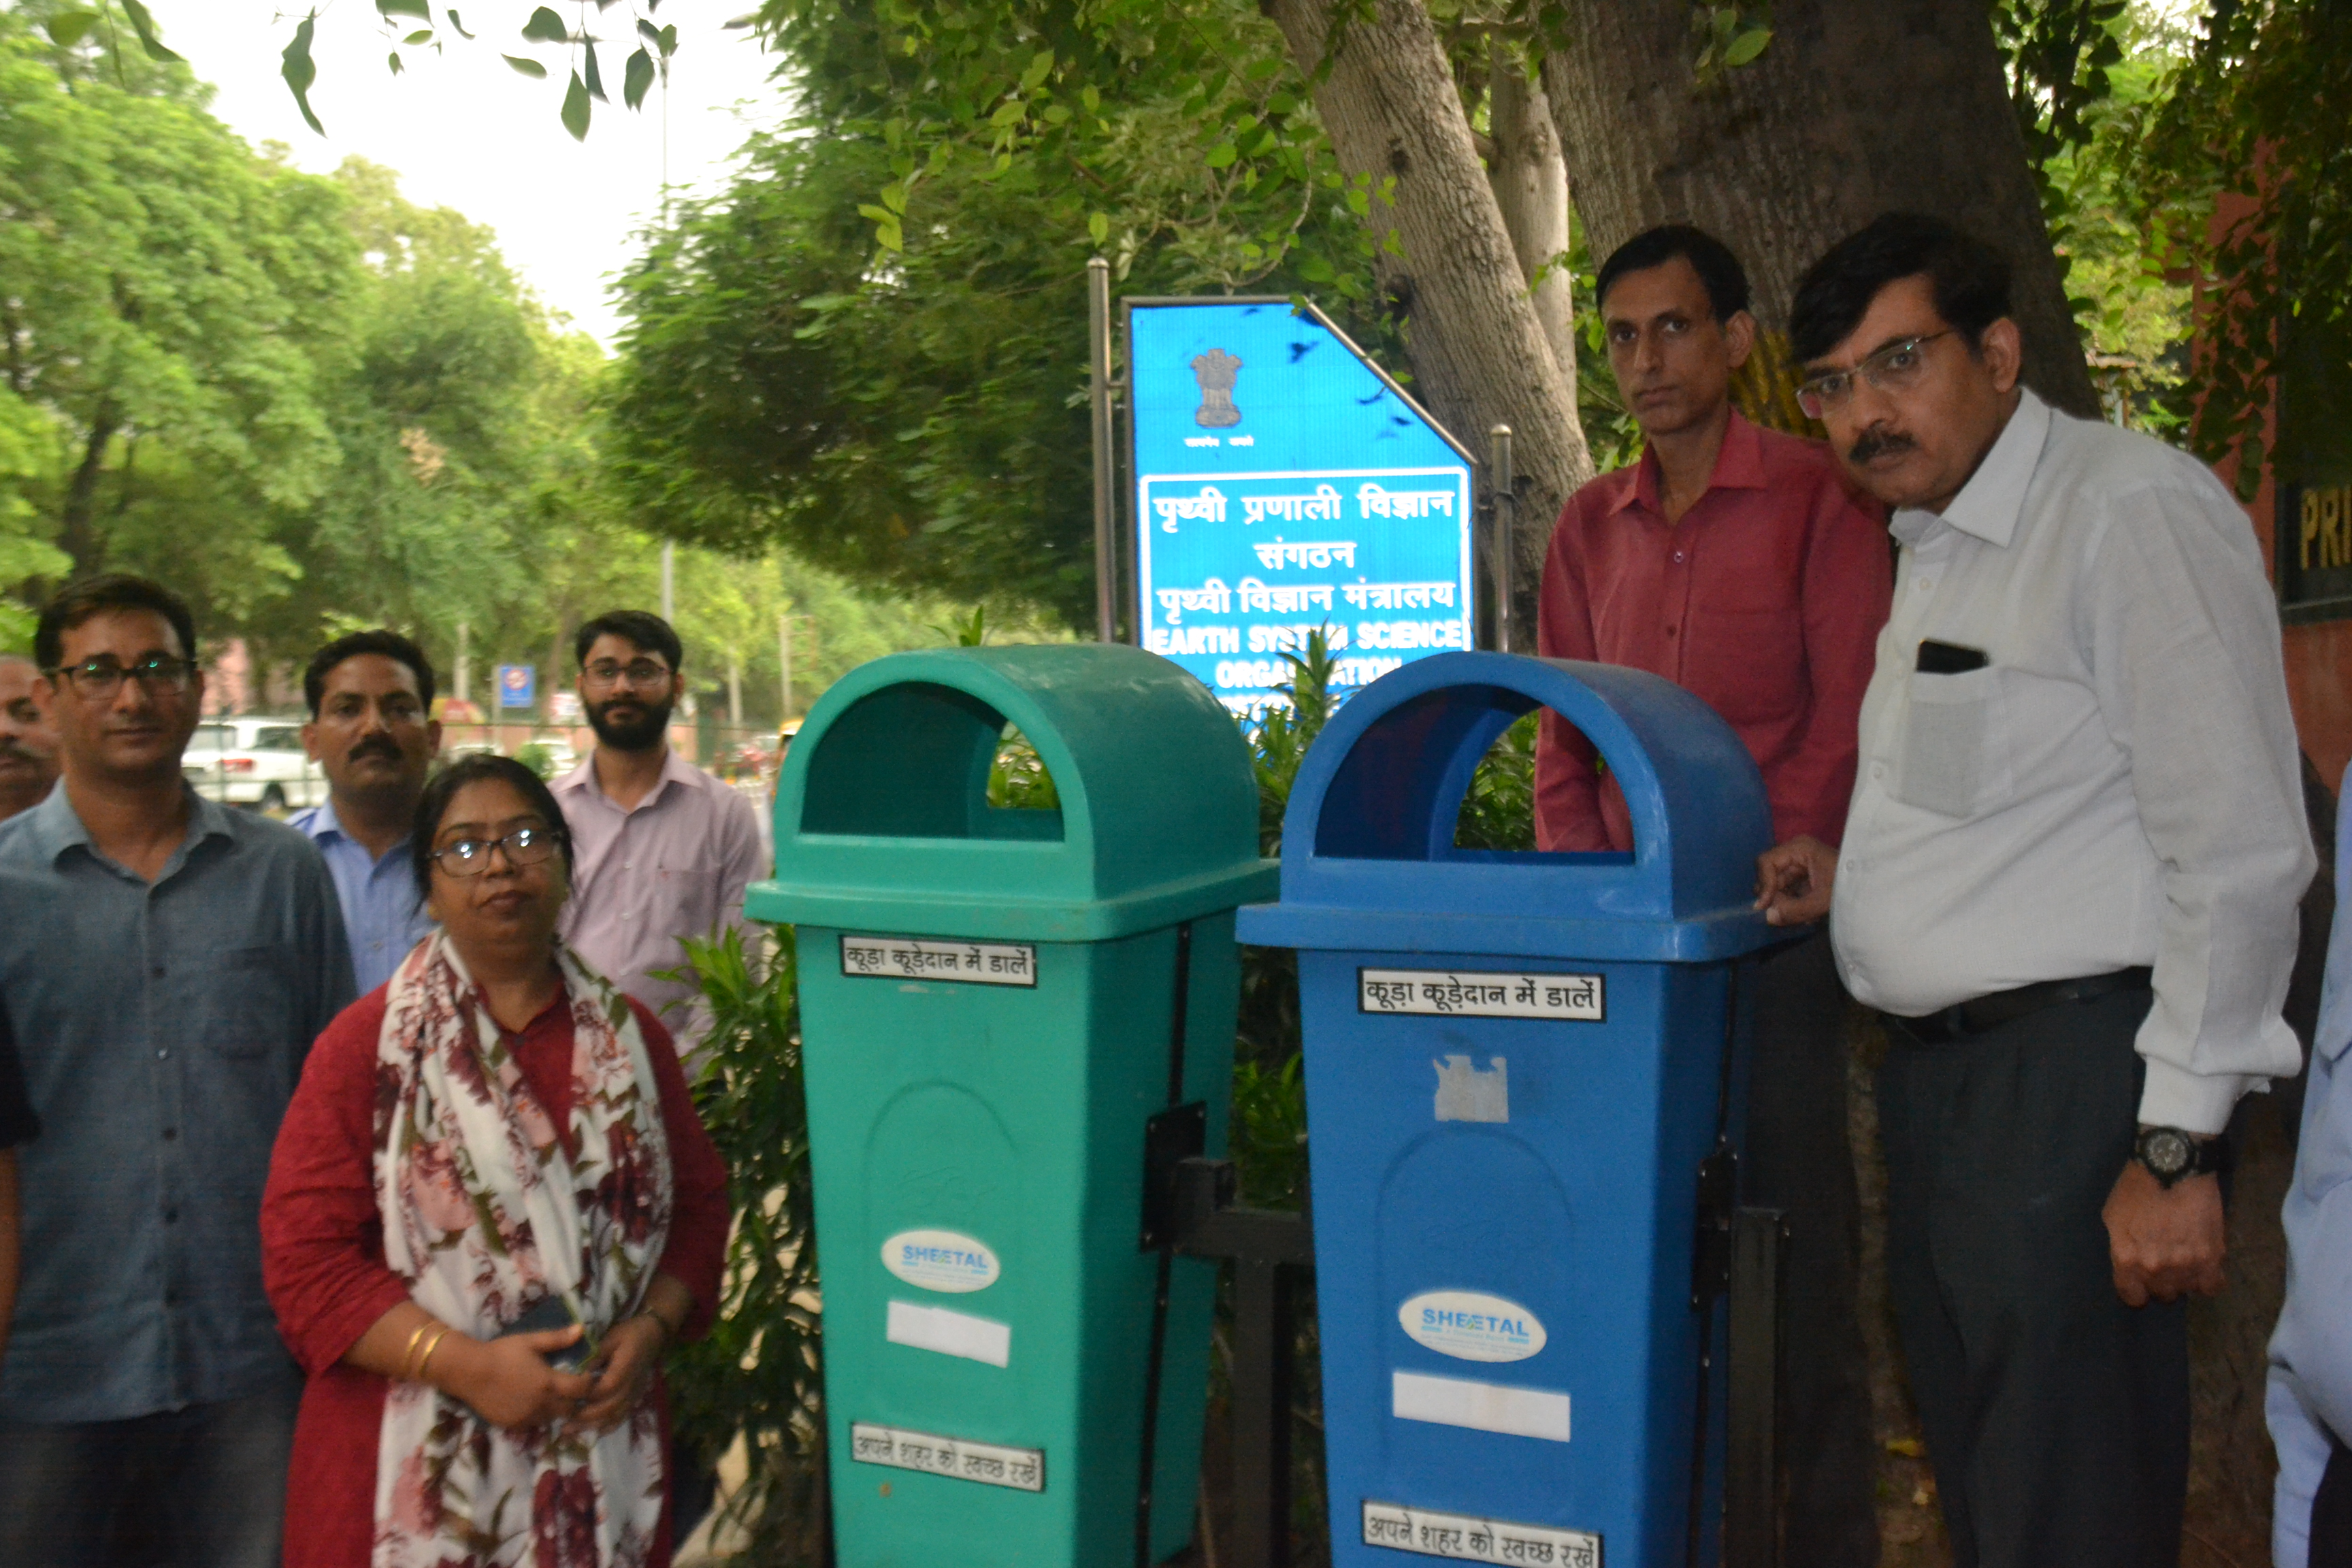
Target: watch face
x=2167, y=1151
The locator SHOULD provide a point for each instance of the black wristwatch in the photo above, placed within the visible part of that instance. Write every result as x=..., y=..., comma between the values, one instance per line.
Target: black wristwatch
x=2172, y=1156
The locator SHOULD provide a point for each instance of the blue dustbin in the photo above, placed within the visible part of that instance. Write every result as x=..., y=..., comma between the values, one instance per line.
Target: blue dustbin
x=1516, y=1065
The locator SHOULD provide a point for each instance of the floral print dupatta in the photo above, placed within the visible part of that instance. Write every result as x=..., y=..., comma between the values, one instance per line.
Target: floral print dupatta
x=485, y=1214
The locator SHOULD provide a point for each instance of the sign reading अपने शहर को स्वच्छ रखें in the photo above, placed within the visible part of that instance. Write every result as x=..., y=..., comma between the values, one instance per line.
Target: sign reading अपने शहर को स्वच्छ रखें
x=1283, y=485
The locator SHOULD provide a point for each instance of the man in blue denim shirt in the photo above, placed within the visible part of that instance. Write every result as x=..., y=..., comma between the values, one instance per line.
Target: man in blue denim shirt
x=18, y=1126
x=165, y=964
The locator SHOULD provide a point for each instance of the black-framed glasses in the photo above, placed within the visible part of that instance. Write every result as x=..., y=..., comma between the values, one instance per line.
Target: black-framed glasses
x=642, y=673
x=1895, y=368
x=102, y=677
x=471, y=856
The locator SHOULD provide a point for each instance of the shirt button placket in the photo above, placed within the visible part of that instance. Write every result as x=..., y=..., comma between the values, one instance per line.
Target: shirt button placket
x=170, y=1104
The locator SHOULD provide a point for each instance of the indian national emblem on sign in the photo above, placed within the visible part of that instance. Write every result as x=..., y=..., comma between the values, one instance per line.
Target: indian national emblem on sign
x=1215, y=371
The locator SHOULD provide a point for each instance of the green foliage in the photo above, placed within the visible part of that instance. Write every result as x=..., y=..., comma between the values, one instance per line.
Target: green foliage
x=1017, y=779
x=2133, y=316
x=872, y=349
x=970, y=634
x=1281, y=733
x=1610, y=432
x=1144, y=100
x=539, y=759
x=350, y=400
x=169, y=302
x=2058, y=55
x=27, y=447
x=1499, y=809
x=1269, y=1130
x=2242, y=169
x=759, y=1376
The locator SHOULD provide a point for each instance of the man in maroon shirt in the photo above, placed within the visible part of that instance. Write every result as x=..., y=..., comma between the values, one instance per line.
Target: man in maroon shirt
x=1735, y=562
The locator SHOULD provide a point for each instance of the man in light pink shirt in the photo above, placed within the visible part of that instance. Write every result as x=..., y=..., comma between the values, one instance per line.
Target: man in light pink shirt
x=662, y=849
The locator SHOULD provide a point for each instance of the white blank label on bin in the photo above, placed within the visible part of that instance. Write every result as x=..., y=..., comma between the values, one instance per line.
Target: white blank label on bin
x=1481, y=993
x=910, y=958
x=950, y=1333
x=1482, y=1406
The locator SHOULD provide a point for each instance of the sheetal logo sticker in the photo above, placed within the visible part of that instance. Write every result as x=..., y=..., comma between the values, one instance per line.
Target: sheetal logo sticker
x=1468, y=1326
x=940, y=1260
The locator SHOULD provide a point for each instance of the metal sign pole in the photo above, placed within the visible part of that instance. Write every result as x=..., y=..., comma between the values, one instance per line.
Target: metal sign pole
x=1098, y=393
x=1505, y=537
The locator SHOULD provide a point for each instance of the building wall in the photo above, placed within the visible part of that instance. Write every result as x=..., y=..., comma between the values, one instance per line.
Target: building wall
x=2317, y=655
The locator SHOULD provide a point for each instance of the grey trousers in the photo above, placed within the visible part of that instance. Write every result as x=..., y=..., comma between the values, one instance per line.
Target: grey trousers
x=2056, y=1417
x=202, y=1486
x=1798, y=1160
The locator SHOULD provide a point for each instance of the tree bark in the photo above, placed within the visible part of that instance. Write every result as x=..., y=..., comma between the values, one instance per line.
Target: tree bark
x=78, y=533
x=1530, y=181
x=1479, y=354
x=1857, y=107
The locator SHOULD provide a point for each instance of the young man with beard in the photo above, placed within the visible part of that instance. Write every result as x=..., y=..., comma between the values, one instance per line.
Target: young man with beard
x=29, y=747
x=165, y=964
x=2069, y=881
x=663, y=849
x=373, y=733
x=1733, y=561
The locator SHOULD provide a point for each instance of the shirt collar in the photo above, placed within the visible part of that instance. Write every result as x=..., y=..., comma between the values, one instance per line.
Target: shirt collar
x=1992, y=500
x=676, y=770
x=1738, y=466
x=58, y=827
x=320, y=823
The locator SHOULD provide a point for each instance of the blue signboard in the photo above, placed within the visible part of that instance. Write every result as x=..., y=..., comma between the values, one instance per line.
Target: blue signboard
x=517, y=685
x=1283, y=485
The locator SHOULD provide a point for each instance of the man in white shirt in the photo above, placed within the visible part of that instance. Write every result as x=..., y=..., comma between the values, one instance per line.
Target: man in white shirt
x=2069, y=880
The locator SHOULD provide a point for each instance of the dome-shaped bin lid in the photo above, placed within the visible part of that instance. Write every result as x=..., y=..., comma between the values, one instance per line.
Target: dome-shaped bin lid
x=1369, y=861
x=883, y=822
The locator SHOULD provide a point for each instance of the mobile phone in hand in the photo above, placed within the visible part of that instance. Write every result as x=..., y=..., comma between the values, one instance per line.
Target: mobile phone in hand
x=552, y=1313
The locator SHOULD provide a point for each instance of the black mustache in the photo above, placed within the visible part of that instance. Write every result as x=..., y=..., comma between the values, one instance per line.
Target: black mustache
x=1874, y=443
x=382, y=746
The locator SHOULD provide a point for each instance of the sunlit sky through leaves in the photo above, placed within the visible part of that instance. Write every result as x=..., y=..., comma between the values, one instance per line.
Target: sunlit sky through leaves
x=465, y=131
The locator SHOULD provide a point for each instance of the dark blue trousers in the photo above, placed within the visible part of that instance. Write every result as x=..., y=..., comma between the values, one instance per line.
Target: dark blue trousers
x=201, y=1487
x=2056, y=1417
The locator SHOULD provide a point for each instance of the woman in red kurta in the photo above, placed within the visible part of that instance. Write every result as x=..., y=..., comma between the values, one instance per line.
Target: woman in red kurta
x=493, y=1133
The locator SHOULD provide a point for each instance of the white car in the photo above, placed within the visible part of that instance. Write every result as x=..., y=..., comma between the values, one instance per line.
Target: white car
x=252, y=762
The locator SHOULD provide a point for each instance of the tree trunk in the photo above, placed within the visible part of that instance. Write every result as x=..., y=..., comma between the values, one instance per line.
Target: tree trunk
x=1479, y=354
x=1530, y=181
x=77, y=535
x=1857, y=107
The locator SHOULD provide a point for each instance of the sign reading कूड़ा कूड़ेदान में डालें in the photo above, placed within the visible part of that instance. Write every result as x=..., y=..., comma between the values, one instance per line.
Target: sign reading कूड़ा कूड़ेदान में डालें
x=1283, y=486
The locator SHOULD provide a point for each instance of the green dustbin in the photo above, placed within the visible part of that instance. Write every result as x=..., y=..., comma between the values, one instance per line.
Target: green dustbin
x=992, y=1025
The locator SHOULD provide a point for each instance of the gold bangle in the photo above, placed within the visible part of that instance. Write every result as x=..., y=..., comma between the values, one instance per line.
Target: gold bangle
x=411, y=1351
x=430, y=1346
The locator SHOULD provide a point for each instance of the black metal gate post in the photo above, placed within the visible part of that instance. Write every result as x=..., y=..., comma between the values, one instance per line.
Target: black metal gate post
x=1268, y=1246
x=1751, y=1514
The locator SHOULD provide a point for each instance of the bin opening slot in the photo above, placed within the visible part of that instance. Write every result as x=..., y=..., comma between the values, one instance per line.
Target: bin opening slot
x=1404, y=791
x=921, y=761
